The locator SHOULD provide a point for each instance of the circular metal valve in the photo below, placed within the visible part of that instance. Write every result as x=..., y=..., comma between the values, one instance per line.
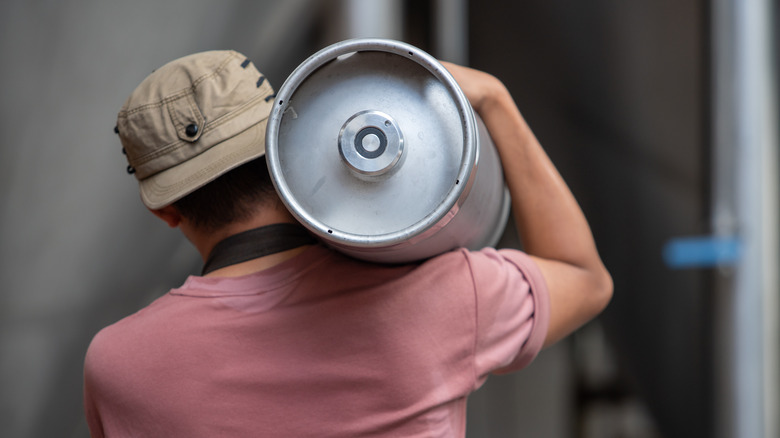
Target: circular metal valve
x=371, y=143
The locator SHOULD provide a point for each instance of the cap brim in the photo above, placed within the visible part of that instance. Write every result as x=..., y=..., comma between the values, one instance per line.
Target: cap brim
x=172, y=184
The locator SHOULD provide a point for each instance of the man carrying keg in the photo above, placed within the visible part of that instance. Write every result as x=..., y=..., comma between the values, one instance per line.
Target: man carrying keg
x=281, y=336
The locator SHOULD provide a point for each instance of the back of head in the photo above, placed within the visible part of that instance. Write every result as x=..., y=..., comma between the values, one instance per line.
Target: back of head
x=192, y=121
x=233, y=197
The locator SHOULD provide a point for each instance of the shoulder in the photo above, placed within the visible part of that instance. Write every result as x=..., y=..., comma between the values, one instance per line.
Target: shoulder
x=106, y=344
x=102, y=358
x=490, y=263
x=109, y=346
x=488, y=273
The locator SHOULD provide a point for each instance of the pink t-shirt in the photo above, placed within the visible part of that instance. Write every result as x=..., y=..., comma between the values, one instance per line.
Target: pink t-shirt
x=320, y=345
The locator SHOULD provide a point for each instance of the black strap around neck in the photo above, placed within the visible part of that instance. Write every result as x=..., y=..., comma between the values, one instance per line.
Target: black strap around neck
x=255, y=243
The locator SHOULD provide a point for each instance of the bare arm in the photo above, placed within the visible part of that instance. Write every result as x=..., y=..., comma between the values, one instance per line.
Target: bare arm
x=551, y=224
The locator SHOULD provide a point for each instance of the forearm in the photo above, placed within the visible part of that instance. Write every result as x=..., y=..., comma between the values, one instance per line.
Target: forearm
x=548, y=218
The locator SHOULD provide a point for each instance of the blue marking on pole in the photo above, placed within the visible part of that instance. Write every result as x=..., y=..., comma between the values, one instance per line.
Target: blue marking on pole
x=701, y=251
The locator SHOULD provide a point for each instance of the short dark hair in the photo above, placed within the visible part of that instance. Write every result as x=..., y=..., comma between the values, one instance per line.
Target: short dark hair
x=232, y=197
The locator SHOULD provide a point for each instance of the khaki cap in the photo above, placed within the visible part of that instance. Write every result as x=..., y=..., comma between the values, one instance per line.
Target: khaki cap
x=191, y=121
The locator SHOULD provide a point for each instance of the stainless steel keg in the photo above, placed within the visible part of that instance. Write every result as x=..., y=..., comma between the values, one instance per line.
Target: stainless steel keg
x=373, y=146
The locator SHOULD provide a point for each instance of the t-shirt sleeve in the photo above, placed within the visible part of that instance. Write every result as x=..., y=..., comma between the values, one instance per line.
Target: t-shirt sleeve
x=512, y=310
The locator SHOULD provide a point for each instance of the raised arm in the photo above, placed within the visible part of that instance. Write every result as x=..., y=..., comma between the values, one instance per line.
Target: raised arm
x=551, y=224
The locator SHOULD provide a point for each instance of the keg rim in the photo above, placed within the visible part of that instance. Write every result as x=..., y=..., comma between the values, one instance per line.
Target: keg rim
x=433, y=221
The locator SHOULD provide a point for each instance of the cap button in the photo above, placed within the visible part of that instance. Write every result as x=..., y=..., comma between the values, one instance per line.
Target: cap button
x=191, y=130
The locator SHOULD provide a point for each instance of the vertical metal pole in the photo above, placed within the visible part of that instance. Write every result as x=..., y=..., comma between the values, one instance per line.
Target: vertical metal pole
x=745, y=200
x=451, y=31
x=365, y=18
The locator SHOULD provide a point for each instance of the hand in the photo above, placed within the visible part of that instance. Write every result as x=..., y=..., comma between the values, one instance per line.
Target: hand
x=477, y=85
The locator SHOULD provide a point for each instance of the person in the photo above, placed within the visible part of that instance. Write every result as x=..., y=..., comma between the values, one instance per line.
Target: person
x=290, y=338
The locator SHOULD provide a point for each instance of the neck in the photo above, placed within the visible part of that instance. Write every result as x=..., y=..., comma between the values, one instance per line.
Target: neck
x=256, y=265
x=205, y=241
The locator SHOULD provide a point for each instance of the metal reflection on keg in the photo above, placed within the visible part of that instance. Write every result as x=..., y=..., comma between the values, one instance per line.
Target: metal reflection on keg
x=370, y=143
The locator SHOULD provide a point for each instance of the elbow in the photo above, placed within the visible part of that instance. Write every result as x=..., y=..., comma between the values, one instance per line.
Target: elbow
x=603, y=289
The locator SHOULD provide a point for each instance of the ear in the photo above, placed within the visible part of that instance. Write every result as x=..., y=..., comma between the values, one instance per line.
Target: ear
x=169, y=214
